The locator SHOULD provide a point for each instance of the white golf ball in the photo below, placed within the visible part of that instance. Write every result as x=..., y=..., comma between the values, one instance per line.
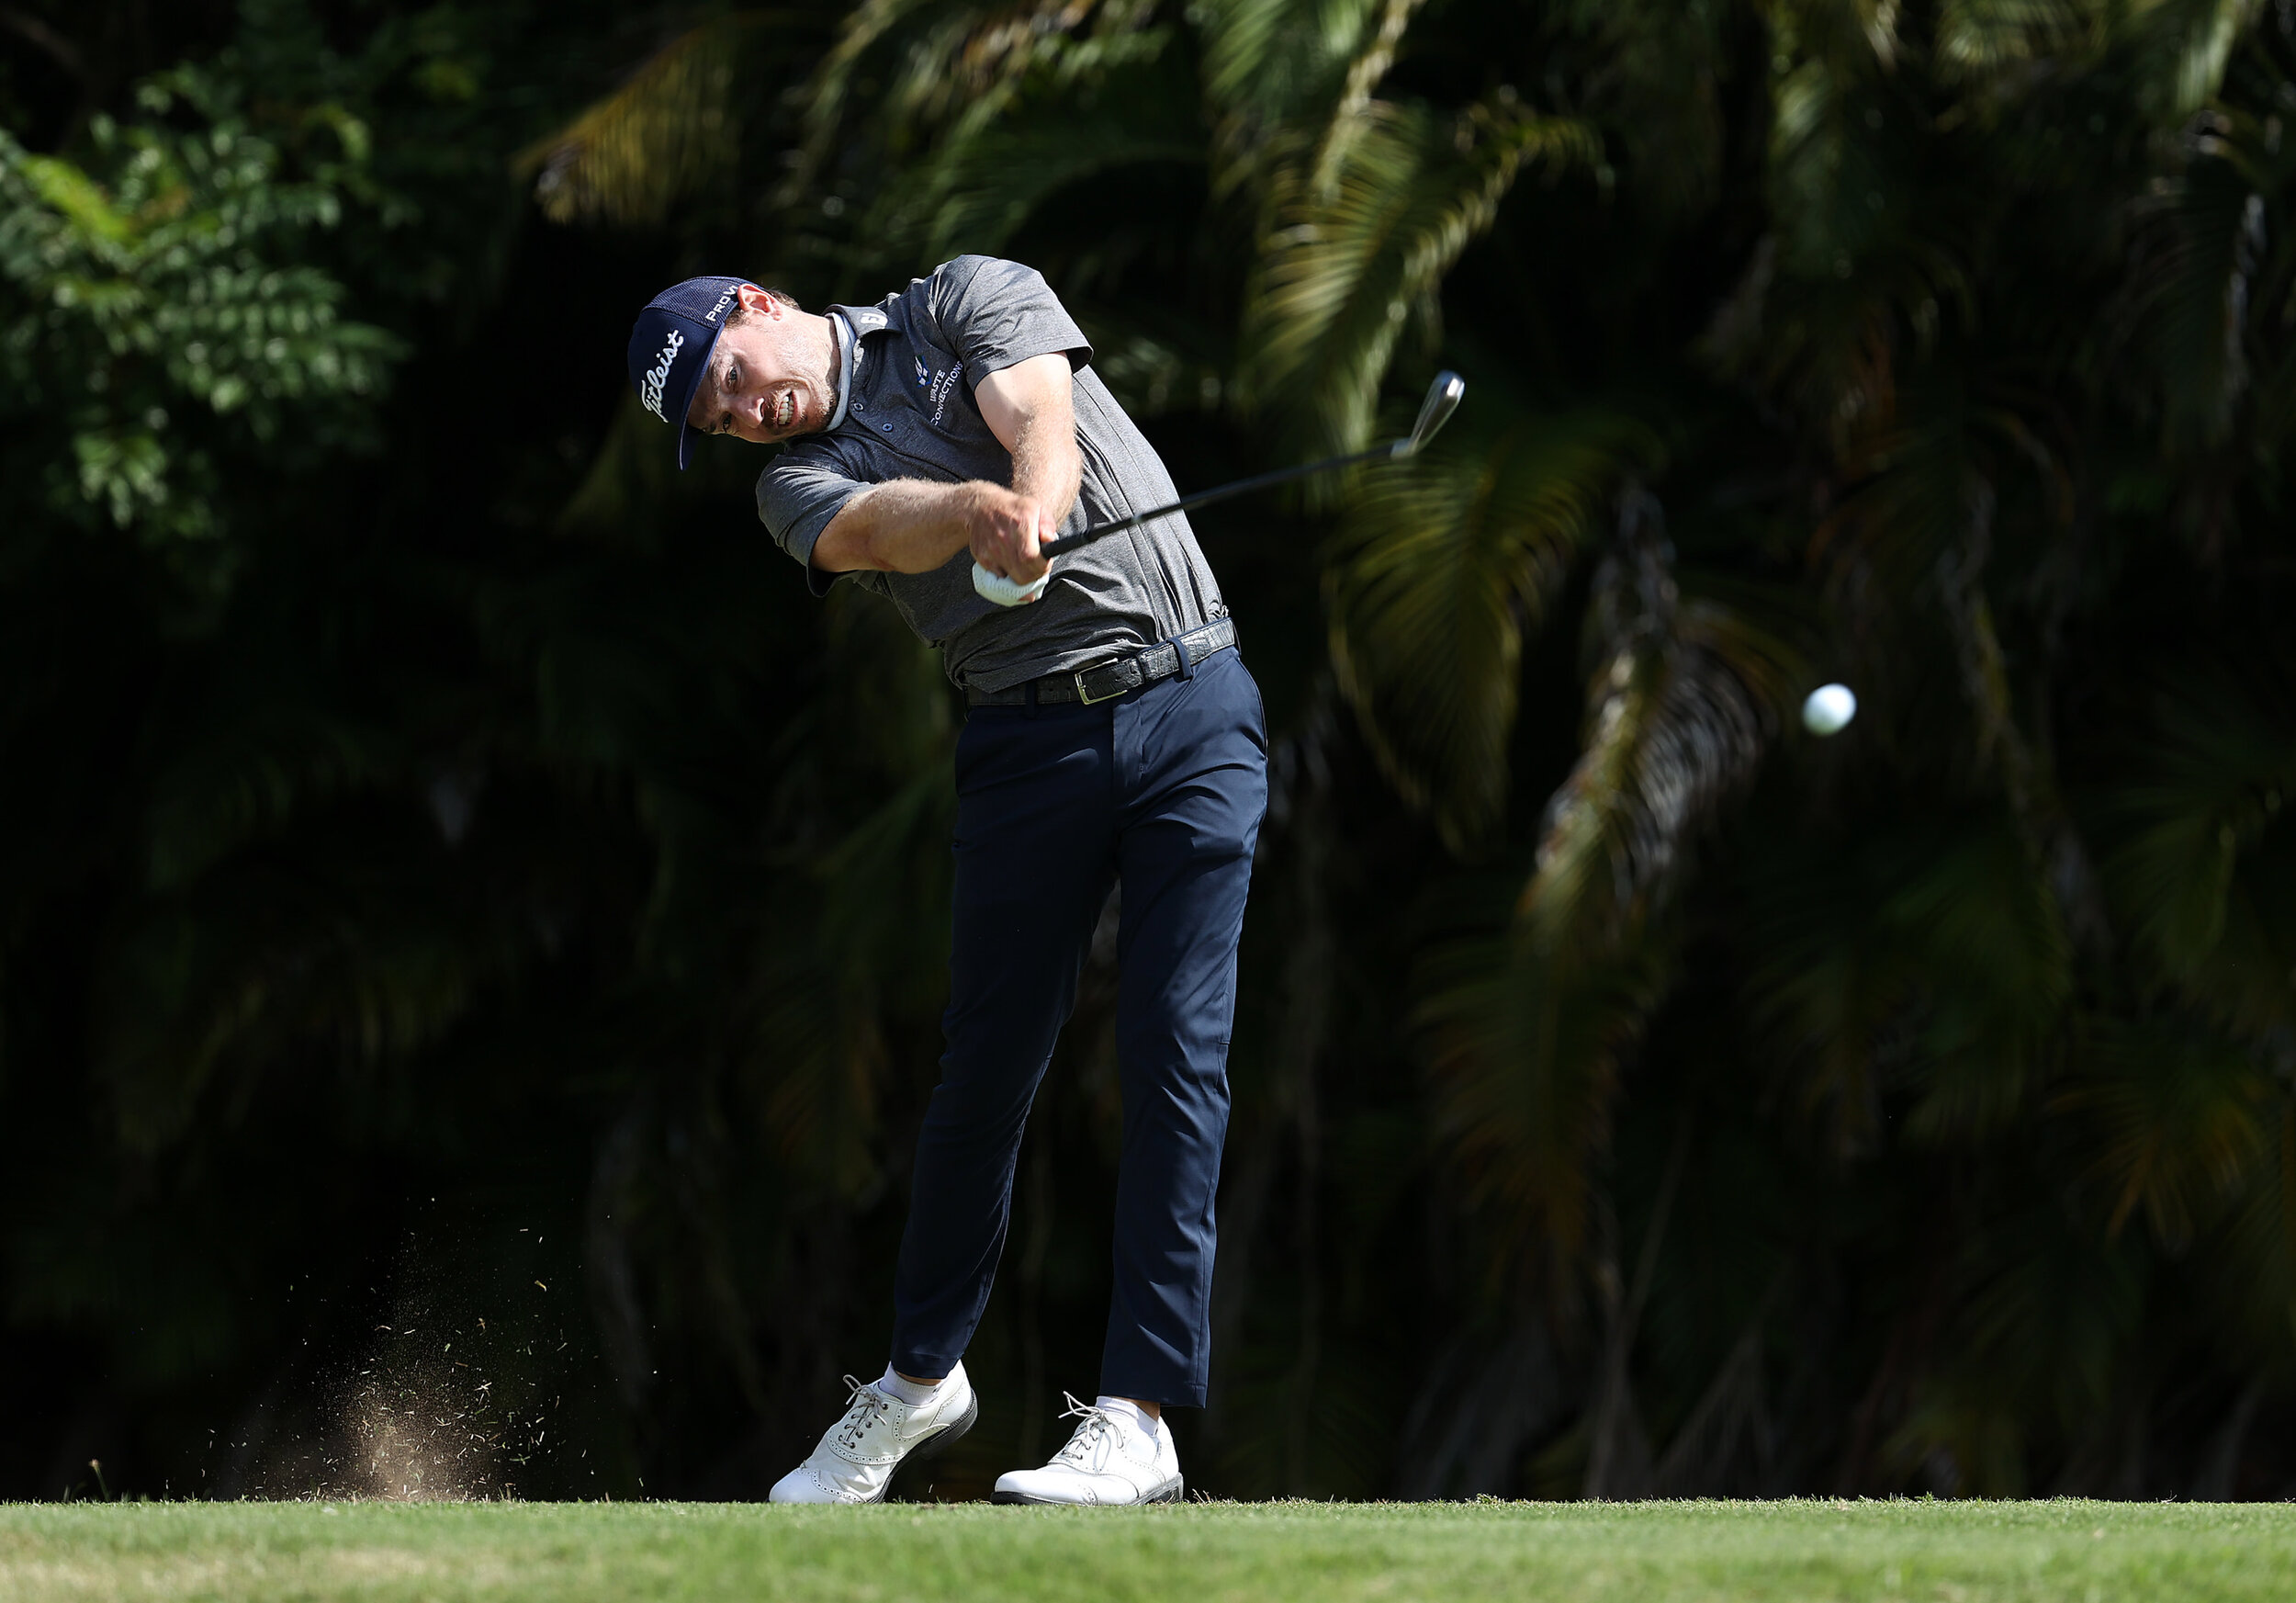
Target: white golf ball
x=1829, y=709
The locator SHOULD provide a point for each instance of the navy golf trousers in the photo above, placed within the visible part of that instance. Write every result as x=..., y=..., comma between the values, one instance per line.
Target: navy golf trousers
x=1162, y=789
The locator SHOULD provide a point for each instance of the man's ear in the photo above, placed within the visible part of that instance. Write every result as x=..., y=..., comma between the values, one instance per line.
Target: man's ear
x=756, y=303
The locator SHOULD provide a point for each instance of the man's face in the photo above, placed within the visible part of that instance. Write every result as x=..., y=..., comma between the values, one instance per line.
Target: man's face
x=771, y=376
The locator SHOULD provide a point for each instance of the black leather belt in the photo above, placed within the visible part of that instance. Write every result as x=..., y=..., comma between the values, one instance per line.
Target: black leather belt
x=1107, y=680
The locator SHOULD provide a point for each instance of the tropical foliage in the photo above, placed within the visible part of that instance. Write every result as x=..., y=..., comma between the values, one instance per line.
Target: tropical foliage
x=426, y=806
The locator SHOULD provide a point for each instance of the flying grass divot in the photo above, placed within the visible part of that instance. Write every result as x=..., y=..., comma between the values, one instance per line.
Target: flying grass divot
x=1842, y=1551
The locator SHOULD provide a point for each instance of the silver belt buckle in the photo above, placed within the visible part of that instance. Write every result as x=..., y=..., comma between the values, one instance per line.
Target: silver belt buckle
x=1085, y=696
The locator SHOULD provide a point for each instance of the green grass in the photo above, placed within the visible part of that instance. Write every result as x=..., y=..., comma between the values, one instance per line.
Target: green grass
x=1935, y=1553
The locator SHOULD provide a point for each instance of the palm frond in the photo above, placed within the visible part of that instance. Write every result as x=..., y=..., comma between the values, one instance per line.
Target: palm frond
x=1526, y=1047
x=1528, y=1027
x=664, y=135
x=242, y=782
x=1347, y=120
x=1983, y=38
x=1341, y=274
x=1273, y=69
x=1677, y=716
x=1443, y=565
x=1825, y=988
x=862, y=946
x=1849, y=33
x=990, y=177
x=2253, y=1267
x=2045, y=1317
x=2183, y=48
x=1155, y=357
x=2183, y=1121
x=1929, y=959
x=1847, y=295
x=352, y=968
x=1996, y=967
x=934, y=67
x=876, y=948
x=1661, y=94
x=2195, y=287
x=2205, y=868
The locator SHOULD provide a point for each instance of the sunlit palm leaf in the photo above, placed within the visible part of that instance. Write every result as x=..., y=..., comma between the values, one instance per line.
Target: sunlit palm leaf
x=1980, y=39
x=1443, y=565
x=1344, y=272
x=1681, y=703
x=936, y=66
x=2184, y=46
x=1274, y=69
x=1527, y=1027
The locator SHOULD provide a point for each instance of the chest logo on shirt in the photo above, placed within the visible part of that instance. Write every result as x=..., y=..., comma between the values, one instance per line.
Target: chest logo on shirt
x=922, y=381
x=943, y=384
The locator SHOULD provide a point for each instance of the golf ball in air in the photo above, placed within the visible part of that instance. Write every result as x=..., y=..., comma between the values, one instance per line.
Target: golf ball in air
x=1829, y=709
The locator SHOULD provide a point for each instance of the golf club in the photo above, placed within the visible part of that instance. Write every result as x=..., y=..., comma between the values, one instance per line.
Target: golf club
x=1443, y=399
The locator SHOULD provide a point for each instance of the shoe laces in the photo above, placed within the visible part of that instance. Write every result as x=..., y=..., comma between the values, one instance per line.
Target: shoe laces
x=1095, y=1425
x=864, y=1406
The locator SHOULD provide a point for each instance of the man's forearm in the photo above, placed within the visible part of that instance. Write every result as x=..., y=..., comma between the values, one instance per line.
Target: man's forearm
x=903, y=526
x=910, y=526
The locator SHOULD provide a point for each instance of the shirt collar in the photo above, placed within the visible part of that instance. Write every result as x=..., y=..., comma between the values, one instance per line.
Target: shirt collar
x=848, y=354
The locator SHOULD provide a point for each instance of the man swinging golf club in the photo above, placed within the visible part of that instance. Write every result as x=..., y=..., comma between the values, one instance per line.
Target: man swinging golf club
x=938, y=440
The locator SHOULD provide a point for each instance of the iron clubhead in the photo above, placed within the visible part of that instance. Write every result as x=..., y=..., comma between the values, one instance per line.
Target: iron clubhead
x=1443, y=399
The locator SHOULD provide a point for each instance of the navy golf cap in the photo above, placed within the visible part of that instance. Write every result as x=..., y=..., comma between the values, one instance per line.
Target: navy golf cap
x=670, y=346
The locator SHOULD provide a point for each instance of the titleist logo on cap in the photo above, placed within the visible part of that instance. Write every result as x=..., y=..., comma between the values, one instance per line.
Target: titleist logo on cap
x=649, y=392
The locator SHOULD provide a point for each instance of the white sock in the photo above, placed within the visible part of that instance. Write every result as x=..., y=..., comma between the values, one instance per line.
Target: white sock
x=914, y=1392
x=1132, y=1413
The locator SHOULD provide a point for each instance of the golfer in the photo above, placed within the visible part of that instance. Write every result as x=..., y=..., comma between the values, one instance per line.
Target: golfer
x=1113, y=737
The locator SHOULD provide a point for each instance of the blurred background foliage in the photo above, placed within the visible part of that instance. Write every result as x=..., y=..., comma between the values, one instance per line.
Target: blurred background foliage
x=455, y=884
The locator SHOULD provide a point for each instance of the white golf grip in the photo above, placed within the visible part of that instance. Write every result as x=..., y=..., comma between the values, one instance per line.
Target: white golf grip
x=996, y=587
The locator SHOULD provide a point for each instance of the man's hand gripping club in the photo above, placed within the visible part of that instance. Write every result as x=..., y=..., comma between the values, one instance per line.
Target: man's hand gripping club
x=908, y=526
x=1008, y=528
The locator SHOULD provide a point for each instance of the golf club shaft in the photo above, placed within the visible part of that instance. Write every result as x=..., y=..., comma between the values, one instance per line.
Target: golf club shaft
x=1061, y=548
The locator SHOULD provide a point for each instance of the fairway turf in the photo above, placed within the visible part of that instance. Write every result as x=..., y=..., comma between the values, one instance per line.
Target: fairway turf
x=1935, y=1553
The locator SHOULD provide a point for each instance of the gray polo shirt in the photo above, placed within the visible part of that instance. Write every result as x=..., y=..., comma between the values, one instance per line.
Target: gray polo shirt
x=910, y=414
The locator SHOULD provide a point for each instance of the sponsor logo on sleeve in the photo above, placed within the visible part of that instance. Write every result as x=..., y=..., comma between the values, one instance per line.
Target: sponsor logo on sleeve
x=650, y=391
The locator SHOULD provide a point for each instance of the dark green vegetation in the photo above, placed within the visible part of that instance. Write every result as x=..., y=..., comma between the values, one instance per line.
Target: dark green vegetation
x=1835, y=1550
x=471, y=928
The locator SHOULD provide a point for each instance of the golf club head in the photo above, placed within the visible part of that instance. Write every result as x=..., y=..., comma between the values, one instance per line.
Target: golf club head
x=1443, y=399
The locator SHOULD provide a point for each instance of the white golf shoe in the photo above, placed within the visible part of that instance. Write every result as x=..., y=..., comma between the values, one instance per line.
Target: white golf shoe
x=878, y=1434
x=1109, y=1464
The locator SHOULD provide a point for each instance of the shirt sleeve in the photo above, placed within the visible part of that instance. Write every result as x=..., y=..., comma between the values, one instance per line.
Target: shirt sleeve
x=995, y=313
x=797, y=497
